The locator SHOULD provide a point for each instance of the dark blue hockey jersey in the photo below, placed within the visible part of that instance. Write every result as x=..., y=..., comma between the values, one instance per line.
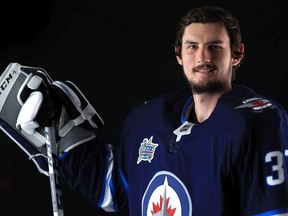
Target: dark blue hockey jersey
x=234, y=163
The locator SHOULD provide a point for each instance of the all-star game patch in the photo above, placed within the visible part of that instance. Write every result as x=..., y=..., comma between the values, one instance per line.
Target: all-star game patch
x=147, y=150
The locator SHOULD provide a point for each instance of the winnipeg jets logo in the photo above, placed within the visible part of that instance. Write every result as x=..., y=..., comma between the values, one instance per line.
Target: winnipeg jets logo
x=166, y=195
x=161, y=207
x=255, y=103
x=146, y=150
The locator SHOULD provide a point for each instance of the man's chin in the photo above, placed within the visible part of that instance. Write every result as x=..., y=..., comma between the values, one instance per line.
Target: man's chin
x=210, y=88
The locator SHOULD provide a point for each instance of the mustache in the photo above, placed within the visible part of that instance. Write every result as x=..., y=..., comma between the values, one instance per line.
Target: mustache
x=209, y=66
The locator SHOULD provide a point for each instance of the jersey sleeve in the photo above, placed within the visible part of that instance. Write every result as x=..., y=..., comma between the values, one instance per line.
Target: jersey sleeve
x=91, y=171
x=264, y=187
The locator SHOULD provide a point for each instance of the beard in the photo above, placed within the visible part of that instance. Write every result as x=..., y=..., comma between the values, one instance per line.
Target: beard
x=210, y=87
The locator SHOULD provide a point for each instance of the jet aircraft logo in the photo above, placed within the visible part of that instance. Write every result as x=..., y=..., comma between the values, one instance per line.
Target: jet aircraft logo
x=256, y=103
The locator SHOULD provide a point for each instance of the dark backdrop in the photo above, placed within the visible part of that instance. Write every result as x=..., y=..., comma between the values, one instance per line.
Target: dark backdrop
x=119, y=54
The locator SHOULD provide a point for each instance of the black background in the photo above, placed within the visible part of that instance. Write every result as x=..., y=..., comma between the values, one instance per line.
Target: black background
x=120, y=54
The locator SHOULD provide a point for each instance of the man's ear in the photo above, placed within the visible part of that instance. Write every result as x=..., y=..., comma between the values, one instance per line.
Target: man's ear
x=178, y=55
x=237, y=60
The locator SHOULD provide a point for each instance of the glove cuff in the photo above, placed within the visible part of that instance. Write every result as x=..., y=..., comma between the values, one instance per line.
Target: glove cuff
x=75, y=137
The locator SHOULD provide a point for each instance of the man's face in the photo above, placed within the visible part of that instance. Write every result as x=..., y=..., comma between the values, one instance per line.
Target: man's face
x=206, y=57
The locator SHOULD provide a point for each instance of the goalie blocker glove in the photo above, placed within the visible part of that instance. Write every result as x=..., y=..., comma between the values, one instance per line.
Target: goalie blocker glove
x=77, y=120
x=42, y=102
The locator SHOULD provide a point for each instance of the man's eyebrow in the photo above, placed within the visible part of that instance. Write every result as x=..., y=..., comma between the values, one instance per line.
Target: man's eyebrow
x=216, y=42
x=190, y=42
x=210, y=42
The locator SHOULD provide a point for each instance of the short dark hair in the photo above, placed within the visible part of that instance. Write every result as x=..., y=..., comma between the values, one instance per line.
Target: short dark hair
x=212, y=14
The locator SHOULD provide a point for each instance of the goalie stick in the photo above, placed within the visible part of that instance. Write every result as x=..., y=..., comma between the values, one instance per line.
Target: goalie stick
x=56, y=194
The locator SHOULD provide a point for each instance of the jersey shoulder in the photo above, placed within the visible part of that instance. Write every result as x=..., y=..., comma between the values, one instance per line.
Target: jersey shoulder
x=163, y=109
x=246, y=103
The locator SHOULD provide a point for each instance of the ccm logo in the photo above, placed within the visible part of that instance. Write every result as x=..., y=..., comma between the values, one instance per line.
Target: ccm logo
x=6, y=81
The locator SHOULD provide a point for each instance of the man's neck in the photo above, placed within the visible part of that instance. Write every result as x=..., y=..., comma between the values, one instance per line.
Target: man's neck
x=204, y=104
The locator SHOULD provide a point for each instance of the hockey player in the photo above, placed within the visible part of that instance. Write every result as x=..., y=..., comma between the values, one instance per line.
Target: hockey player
x=212, y=148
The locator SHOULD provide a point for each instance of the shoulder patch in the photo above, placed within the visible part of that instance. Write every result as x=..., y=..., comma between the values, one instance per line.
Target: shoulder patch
x=255, y=103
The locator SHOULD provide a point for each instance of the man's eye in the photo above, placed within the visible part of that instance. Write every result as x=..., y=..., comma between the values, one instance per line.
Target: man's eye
x=192, y=46
x=215, y=47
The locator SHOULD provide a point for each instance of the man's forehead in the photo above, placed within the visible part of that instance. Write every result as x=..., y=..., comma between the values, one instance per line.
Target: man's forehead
x=205, y=32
